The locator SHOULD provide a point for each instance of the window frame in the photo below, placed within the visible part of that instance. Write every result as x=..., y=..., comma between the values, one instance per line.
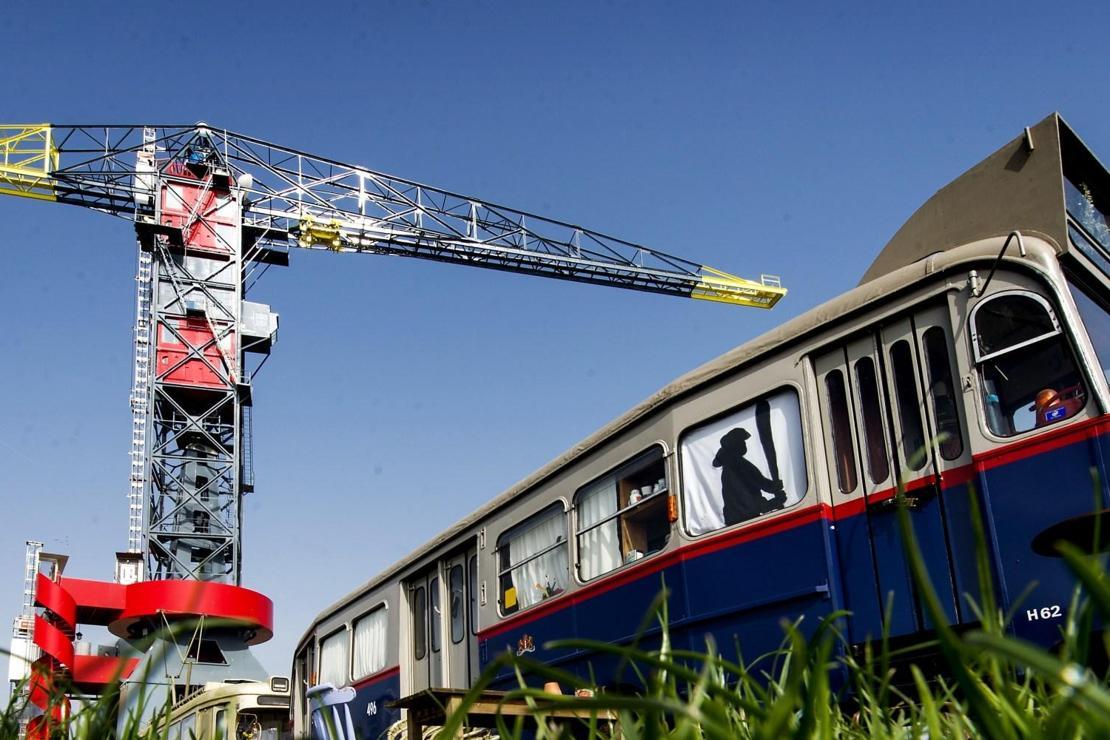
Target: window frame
x=615, y=472
x=1064, y=330
x=932, y=375
x=520, y=527
x=751, y=400
x=910, y=413
x=840, y=429
x=435, y=589
x=421, y=624
x=977, y=356
x=464, y=604
x=381, y=606
x=872, y=420
x=345, y=630
x=1082, y=286
x=473, y=604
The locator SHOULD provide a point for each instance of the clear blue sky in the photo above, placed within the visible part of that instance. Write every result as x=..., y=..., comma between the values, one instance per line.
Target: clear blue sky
x=754, y=137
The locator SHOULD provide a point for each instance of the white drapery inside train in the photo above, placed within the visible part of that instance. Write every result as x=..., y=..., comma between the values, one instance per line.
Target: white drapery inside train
x=599, y=549
x=333, y=659
x=702, y=488
x=547, y=574
x=369, y=647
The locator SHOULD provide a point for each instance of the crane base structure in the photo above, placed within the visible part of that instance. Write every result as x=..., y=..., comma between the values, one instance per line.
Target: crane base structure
x=174, y=636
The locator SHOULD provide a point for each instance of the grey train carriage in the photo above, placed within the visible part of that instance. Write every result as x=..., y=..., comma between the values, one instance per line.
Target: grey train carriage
x=969, y=364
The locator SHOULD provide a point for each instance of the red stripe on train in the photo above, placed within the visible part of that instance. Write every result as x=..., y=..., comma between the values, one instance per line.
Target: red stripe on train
x=982, y=462
x=375, y=677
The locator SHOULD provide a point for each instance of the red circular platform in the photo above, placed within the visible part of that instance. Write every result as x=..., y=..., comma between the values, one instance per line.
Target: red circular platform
x=148, y=601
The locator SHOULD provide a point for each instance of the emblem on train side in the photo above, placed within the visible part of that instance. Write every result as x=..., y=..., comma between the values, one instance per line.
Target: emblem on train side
x=525, y=645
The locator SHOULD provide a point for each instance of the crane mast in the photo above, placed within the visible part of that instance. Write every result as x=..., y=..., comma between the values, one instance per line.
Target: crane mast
x=211, y=210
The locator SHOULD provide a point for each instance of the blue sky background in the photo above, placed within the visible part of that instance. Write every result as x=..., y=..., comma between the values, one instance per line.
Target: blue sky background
x=786, y=138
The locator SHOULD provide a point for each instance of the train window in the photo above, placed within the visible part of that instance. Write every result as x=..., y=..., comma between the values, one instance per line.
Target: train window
x=472, y=590
x=622, y=516
x=532, y=560
x=726, y=480
x=943, y=393
x=434, y=614
x=419, y=623
x=871, y=412
x=1097, y=321
x=456, y=596
x=333, y=659
x=1081, y=206
x=909, y=406
x=843, y=448
x=221, y=722
x=1027, y=375
x=369, y=643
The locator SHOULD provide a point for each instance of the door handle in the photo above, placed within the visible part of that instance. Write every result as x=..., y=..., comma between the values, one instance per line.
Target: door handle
x=912, y=500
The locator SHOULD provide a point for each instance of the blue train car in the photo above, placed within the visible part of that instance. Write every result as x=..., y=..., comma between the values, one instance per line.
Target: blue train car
x=968, y=368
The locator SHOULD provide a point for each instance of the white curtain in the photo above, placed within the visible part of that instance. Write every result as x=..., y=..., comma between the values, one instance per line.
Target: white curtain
x=702, y=481
x=369, y=647
x=333, y=659
x=599, y=550
x=536, y=580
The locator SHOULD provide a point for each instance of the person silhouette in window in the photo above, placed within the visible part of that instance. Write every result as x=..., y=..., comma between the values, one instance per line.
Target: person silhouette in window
x=742, y=483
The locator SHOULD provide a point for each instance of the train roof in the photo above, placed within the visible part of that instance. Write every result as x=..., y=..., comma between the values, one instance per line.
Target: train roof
x=1010, y=180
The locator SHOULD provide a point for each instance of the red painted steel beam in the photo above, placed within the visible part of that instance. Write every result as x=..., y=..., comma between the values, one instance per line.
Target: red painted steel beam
x=149, y=601
x=90, y=671
x=98, y=602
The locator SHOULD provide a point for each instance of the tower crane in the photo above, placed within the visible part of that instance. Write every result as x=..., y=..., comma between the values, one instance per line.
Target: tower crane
x=212, y=209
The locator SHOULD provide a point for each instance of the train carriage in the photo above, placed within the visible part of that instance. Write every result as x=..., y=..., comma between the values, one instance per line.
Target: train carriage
x=969, y=366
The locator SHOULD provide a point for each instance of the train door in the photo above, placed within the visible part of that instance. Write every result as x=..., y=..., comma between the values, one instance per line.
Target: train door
x=880, y=417
x=459, y=645
x=426, y=630
x=928, y=433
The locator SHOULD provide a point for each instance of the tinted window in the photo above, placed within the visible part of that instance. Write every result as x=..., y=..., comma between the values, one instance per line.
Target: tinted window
x=867, y=383
x=909, y=405
x=1097, y=322
x=943, y=393
x=841, y=426
x=458, y=603
x=434, y=614
x=419, y=623
x=472, y=588
x=1010, y=320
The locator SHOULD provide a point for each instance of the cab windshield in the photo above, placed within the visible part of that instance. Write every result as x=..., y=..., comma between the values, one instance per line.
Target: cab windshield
x=262, y=724
x=1028, y=376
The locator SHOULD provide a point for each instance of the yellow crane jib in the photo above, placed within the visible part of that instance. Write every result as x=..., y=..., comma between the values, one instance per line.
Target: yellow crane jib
x=723, y=287
x=27, y=159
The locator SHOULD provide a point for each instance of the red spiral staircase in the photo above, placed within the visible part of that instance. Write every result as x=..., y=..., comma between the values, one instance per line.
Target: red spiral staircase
x=130, y=612
x=52, y=671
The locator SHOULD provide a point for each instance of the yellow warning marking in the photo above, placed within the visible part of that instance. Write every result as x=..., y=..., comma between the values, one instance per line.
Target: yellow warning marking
x=723, y=287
